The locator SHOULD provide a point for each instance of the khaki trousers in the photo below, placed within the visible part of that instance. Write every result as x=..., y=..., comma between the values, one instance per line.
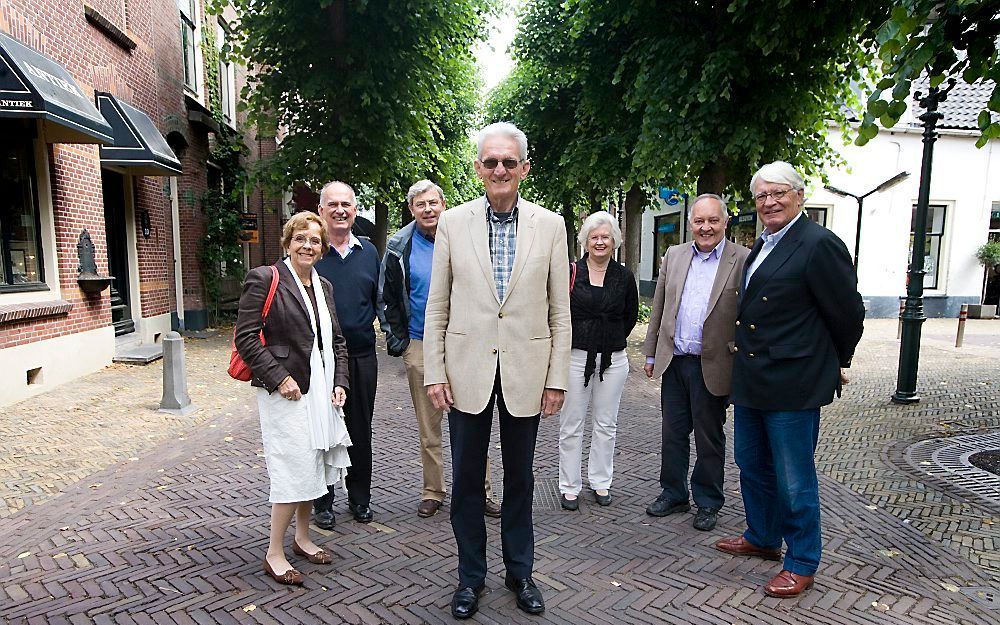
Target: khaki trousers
x=429, y=425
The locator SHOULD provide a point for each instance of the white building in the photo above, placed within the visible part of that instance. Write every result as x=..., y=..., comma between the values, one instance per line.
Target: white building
x=964, y=212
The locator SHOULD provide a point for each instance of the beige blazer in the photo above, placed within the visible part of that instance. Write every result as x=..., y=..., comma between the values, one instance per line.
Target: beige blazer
x=719, y=329
x=466, y=328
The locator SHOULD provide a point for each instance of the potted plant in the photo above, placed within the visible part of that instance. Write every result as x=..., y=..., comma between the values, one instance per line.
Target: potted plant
x=989, y=257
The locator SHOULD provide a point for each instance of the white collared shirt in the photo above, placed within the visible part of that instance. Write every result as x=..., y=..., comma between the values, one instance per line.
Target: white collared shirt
x=352, y=243
x=770, y=241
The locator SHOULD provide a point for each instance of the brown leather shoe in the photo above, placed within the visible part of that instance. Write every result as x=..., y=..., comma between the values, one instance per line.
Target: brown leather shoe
x=428, y=507
x=320, y=557
x=787, y=584
x=492, y=509
x=737, y=546
x=291, y=577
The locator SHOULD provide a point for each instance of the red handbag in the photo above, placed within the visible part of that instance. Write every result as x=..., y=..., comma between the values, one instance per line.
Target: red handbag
x=238, y=370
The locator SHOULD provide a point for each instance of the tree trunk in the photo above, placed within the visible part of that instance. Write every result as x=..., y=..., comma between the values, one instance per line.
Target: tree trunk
x=635, y=200
x=405, y=216
x=381, y=226
x=714, y=177
x=569, y=219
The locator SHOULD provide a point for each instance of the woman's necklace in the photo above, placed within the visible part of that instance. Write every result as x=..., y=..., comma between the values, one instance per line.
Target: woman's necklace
x=595, y=269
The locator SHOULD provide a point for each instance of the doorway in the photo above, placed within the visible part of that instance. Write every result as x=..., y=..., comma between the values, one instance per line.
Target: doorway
x=116, y=229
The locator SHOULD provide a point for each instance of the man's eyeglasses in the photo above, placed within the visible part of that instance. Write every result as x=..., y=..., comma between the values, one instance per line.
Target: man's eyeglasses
x=432, y=204
x=302, y=239
x=760, y=198
x=508, y=163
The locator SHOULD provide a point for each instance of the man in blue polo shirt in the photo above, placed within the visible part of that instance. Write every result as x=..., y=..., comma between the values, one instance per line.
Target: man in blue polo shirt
x=406, y=279
x=352, y=267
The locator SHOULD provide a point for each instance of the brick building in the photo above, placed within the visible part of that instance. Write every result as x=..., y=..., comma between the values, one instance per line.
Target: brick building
x=106, y=114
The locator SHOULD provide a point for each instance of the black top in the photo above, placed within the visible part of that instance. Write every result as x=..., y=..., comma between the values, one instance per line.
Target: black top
x=355, y=291
x=312, y=299
x=602, y=317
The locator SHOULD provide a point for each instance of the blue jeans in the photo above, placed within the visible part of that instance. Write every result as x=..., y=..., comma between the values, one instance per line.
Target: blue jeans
x=774, y=451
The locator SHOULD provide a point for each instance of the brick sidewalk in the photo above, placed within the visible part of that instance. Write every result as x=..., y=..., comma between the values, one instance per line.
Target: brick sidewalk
x=119, y=515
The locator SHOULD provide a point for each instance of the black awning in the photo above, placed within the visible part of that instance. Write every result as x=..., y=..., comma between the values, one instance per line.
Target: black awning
x=138, y=145
x=34, y=86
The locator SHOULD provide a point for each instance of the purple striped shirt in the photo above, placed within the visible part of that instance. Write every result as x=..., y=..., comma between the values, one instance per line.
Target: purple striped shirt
x=694, y=299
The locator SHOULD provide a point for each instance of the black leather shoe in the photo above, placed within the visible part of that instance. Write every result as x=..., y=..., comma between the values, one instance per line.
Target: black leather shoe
x=705, y=519
x=362, y=513
x=569, y=504
x=663, y=507
x=324, y=519
x=602, y=500
x=529, y=598
x=465, y=601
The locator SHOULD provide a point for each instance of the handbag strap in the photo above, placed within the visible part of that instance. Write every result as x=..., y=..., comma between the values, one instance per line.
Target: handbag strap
x=270, y=292
x=572, y=276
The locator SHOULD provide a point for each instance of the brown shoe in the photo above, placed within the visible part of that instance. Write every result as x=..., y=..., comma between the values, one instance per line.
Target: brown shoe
x=428, y=507
x=320, y=557
x=492, y=509
x=738, y=546
x=787, y=584
x=291, y=577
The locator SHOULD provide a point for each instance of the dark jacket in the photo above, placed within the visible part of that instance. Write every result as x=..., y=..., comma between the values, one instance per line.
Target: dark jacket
x=394, y=290
x=603, y=327
x=799, y=321
x=288, y=333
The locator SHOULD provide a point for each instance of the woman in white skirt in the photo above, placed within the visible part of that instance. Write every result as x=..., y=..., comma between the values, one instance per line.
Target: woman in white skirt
x=604, y=306
x=300, y=371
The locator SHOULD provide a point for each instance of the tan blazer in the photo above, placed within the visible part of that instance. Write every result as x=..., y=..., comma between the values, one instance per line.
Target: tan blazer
x=466, y=329
x=719, y=329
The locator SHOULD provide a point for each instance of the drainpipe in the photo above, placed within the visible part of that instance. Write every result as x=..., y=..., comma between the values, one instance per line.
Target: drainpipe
x=175, y=226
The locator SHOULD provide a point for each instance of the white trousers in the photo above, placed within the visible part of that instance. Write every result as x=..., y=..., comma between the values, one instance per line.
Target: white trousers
x=603, y=399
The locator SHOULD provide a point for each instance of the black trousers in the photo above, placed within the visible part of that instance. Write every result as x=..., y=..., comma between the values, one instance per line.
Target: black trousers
x=470, y=440
x=687, y=405
x=358, y=411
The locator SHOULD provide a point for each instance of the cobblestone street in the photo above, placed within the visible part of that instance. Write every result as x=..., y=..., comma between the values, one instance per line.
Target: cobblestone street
x=115, y=513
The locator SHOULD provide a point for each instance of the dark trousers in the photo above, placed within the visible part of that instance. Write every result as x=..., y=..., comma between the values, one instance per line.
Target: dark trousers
x=688, y=406
x=358, y=411
x=470, y=441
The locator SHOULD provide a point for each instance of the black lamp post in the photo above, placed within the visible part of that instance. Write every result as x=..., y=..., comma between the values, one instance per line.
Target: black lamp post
x=891, y=182
x=913, y=309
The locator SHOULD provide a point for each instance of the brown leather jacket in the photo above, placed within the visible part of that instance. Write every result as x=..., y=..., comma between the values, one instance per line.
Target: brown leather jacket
x=287, y=331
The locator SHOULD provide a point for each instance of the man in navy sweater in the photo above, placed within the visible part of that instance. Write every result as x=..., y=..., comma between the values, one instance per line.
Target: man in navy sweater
x=352, y=266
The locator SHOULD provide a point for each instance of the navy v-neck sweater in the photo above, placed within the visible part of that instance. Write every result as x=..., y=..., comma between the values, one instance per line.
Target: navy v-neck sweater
x=355, y=290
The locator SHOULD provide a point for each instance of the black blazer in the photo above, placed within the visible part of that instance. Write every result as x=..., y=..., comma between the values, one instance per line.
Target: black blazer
x=799, y=321
x=288, y=333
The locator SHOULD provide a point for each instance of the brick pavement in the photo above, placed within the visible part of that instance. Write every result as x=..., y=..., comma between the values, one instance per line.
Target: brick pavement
x=119, y=515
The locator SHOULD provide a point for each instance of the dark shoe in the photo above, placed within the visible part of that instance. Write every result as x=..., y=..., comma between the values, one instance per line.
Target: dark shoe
x=291, y=577
x=569, y=504
x=663, y=507
x=787, y=584
x=706, y=519
x=428, y=507
x=362, y=513
x=320, y=557
x=324, y=519
x=738, y=546
x=465, y=601
x=529, y=598
x=602, y=500
x=492, y=509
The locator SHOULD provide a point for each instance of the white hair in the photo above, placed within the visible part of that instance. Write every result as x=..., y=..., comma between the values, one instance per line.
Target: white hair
x=718, y=198
x=595, y=220
x=422, y=186
x=505, y=129
x=322, y=192
x=778, y=172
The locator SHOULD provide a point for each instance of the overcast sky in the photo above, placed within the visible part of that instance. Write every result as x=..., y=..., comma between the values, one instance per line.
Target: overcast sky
x=494, y=59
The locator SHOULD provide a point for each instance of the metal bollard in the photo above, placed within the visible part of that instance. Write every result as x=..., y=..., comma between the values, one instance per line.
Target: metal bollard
x=962, y=316
x=899, y=326
x=175, y=396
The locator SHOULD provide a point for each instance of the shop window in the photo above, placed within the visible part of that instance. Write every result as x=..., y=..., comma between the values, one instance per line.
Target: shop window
x=932, y=243
x=189, y=42
x=20, y=229
x=743, y=229
x=666, y=232
x=227, y=80
x=817, y=214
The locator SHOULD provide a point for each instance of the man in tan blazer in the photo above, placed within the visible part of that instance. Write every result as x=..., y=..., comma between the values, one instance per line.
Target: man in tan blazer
x=689, y=343
x=497, y=331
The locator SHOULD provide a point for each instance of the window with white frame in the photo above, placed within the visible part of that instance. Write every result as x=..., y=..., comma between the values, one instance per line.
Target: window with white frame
x=817, y=214
x=227, y=79
x=189, y=41
x=933, y=238
x=20, y=228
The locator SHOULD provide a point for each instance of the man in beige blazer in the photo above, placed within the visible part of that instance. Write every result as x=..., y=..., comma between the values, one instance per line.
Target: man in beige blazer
x=497, y=331
x=689, y=343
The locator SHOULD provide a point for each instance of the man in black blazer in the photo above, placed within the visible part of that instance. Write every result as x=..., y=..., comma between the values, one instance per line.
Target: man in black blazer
x=800, y=319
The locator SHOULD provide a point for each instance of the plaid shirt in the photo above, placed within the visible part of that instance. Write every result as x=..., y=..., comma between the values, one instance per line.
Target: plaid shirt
x=503, y=241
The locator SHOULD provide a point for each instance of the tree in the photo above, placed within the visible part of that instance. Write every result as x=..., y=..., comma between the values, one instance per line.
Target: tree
x=374, y=92
x=939, y=39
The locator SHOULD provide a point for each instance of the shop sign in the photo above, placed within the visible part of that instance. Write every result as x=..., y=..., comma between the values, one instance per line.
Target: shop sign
x=249, y=233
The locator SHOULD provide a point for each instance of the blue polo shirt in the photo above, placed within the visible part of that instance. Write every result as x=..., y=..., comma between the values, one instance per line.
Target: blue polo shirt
x=421, y=255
